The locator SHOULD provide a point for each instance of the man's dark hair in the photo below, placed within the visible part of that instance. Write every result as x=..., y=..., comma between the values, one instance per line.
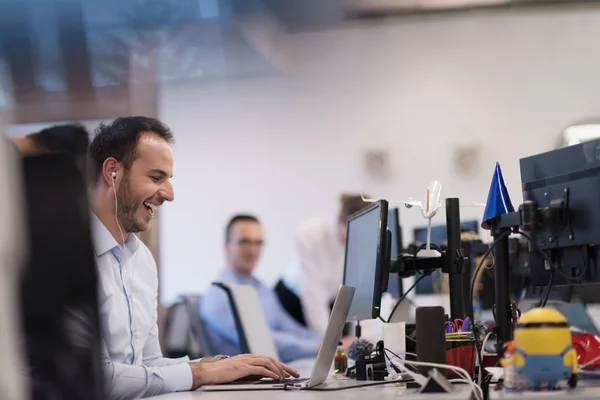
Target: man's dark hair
x=73, y=139
x=119, y=140
x=351, y=203
x=238, y=218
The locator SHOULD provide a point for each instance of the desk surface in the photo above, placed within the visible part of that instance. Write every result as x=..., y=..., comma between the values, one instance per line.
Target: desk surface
x=581, y=393
x=381, y=392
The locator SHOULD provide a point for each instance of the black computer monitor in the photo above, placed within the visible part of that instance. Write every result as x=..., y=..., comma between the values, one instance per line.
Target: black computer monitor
x=564, y=184
x=367, y=258
x=439, y=235
x=395, y=287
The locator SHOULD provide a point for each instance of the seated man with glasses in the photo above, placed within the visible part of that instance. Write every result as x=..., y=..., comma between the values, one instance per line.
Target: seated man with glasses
x=243, y=245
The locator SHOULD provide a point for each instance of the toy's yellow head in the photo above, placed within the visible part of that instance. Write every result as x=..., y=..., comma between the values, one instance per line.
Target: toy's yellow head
x=545, y=315
x=542, y=331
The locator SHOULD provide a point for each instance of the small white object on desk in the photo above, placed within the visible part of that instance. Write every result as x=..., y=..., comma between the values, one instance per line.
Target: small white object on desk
x=394, y=337
x=497, y=373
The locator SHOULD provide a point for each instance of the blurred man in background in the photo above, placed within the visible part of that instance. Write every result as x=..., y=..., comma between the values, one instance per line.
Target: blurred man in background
x=243, y=246
x=307, y=289
x=131, y=165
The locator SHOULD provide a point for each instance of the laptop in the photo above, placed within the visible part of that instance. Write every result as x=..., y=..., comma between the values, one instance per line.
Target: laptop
x=324, y=359
x=577, y=316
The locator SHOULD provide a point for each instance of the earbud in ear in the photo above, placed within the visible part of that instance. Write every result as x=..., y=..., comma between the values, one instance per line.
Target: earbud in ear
x=114, y=175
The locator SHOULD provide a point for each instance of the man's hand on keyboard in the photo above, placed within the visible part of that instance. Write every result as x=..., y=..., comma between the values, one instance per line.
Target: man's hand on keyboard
x=238, y=367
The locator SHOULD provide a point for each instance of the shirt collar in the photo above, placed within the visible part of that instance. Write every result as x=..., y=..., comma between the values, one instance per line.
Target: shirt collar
x=105, y=242
x=237, y=278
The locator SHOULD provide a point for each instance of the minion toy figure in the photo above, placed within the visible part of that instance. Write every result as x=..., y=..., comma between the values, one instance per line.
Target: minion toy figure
x=543, y=353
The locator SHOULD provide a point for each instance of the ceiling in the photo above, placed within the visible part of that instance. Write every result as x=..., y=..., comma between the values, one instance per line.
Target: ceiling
x=57, y=45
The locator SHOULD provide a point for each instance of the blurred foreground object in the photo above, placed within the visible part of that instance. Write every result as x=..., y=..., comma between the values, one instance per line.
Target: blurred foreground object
x=12, y=252
x=59, y=286
x=70, y=138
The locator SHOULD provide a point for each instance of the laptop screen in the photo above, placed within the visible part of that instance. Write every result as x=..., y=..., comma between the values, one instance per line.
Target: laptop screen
x=577, y=316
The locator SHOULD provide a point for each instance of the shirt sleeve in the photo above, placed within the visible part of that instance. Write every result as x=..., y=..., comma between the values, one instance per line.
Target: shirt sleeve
x=314, y=295
x=153, y=356
x=126, y=381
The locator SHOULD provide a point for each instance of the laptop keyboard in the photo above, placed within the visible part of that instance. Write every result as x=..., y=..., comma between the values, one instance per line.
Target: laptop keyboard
x=288, y=381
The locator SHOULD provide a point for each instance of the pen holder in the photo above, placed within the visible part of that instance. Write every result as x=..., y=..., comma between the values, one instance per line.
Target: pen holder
x=460, y=353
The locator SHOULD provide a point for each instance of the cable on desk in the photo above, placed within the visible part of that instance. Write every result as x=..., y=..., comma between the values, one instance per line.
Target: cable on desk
x=404, y=296
x=477, y=391
x=553, y=268
x=544, y=299
x=357, y=330
x=472, y=295
x=366, y=384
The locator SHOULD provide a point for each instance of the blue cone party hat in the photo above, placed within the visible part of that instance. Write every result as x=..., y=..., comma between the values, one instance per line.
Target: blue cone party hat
x=498, y=202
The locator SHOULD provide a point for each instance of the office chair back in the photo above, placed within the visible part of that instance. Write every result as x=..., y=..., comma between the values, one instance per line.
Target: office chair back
x=250, y=320
x=185, y=334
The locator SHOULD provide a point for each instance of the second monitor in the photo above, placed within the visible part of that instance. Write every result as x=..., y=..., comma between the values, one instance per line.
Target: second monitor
x=367, y=259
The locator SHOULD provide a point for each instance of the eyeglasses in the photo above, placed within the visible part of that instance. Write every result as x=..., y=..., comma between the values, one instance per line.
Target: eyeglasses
x=248, y=242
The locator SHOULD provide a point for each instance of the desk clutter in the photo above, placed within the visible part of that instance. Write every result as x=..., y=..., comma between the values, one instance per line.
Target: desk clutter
x=546, y=355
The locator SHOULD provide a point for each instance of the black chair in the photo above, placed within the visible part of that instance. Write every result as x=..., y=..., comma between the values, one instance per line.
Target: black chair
x=59, y=286
x=290, y=302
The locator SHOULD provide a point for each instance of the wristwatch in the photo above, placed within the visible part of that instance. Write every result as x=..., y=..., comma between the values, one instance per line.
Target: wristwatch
x=220, y=357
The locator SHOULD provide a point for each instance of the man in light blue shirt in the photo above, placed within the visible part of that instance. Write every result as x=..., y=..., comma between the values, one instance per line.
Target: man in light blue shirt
x=243, y=245
x=131, y=165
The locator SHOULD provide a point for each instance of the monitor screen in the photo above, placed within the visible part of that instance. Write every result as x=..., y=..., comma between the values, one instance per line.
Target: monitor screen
x=364, y=263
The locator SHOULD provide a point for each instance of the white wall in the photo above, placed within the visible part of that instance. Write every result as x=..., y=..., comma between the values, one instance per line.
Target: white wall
x=284, y=147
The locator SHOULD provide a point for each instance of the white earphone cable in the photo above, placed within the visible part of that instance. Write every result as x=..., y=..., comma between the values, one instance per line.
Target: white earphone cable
x=117, y=210
x=130, y=292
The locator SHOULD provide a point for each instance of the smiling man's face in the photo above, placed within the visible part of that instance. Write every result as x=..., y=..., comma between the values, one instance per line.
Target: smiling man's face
x=146, y=185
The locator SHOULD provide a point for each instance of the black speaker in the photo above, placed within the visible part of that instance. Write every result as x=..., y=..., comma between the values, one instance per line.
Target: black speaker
x=431, y=337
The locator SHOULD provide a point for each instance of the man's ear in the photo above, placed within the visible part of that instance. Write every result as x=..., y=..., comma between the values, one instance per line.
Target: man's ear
x=110, y=168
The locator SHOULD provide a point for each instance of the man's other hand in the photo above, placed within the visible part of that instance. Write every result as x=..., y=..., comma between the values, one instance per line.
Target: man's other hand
x=238, y=367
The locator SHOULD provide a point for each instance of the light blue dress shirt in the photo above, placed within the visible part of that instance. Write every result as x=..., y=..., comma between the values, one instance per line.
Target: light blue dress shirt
x=128, y=288
x=292, y=340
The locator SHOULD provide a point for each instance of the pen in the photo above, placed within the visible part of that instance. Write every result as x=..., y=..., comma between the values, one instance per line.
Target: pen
x=466, y=325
